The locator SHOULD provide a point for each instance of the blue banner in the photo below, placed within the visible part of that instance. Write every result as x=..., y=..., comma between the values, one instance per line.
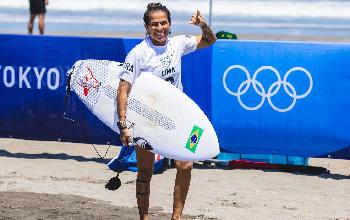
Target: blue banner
x=32, y=87
x=33, y=80
x=281, y=98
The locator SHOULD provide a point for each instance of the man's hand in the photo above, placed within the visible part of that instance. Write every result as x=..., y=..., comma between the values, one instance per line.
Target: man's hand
x=46, y=2
x=125, y=137
x=197, y=19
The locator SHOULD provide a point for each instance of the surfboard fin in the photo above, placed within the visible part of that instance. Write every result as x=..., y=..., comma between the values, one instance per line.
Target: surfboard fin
x=142, y=143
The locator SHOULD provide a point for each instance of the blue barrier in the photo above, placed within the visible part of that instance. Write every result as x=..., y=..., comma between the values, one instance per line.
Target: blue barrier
x=281, y=98
x=196, y=78
x=33, y=77
x=301, y=116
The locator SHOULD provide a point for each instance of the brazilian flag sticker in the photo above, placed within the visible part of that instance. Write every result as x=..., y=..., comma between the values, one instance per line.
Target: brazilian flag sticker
x=194, y=138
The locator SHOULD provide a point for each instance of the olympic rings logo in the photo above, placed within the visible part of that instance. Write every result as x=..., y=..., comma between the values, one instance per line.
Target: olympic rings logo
x=271, y=91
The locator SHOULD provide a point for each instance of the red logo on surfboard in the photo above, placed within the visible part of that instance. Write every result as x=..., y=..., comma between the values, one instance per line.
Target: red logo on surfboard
x=89, y=82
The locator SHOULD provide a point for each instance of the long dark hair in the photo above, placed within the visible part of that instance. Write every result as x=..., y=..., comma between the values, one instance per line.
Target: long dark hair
x=154, y=7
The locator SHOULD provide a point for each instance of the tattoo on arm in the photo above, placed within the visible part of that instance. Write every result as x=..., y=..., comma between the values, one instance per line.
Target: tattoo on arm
x=207, y=34
x=122, y=96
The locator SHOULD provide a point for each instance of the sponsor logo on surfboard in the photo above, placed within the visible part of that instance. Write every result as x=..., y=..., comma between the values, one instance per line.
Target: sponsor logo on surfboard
x=194, y=138
x=88, y=81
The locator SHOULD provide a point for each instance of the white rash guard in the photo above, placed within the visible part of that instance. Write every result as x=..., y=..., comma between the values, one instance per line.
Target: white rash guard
x=162, y=61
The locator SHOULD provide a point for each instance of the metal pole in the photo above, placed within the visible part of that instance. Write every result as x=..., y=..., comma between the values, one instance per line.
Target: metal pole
x=210, y=11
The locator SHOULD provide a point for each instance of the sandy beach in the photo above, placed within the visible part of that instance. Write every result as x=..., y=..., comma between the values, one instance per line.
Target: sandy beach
x=57, y=180
x=60, y=180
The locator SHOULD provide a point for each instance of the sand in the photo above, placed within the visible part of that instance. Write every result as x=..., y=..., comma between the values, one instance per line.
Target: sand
x=56, y=180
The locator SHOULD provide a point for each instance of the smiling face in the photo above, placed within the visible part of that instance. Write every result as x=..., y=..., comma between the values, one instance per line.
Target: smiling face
x=158, y=27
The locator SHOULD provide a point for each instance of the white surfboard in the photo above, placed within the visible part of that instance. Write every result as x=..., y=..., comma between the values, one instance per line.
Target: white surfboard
x=168, y=122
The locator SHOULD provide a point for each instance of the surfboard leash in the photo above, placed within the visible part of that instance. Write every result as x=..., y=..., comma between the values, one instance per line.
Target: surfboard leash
x=109, y=146
x=65, y=115
x=114, y=183
x=141, y=142
x=67, y=95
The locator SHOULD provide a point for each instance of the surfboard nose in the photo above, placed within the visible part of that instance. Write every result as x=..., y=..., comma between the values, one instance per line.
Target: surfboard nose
x=216, y=151
x=210, y=146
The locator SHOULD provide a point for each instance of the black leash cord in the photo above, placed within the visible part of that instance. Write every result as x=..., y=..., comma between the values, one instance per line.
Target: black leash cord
x=66, y=97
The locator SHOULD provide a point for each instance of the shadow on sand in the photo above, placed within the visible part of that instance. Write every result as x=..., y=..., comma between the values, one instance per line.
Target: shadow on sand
x=60, y=156
x=293, y=169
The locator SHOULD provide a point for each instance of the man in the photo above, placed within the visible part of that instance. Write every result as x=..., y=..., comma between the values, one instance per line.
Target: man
x=37, y=7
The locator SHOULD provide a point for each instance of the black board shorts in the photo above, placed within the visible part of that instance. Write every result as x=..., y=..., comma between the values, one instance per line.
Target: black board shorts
x=37, y=7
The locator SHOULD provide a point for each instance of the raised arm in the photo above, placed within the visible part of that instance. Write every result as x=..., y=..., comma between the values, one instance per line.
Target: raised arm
x=122, y=97
x=208, y=37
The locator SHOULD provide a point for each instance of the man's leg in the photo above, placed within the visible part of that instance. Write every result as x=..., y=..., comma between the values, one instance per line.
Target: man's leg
x=182, y=184
x=41, y=23
x=145, y=161
x=30, y=24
